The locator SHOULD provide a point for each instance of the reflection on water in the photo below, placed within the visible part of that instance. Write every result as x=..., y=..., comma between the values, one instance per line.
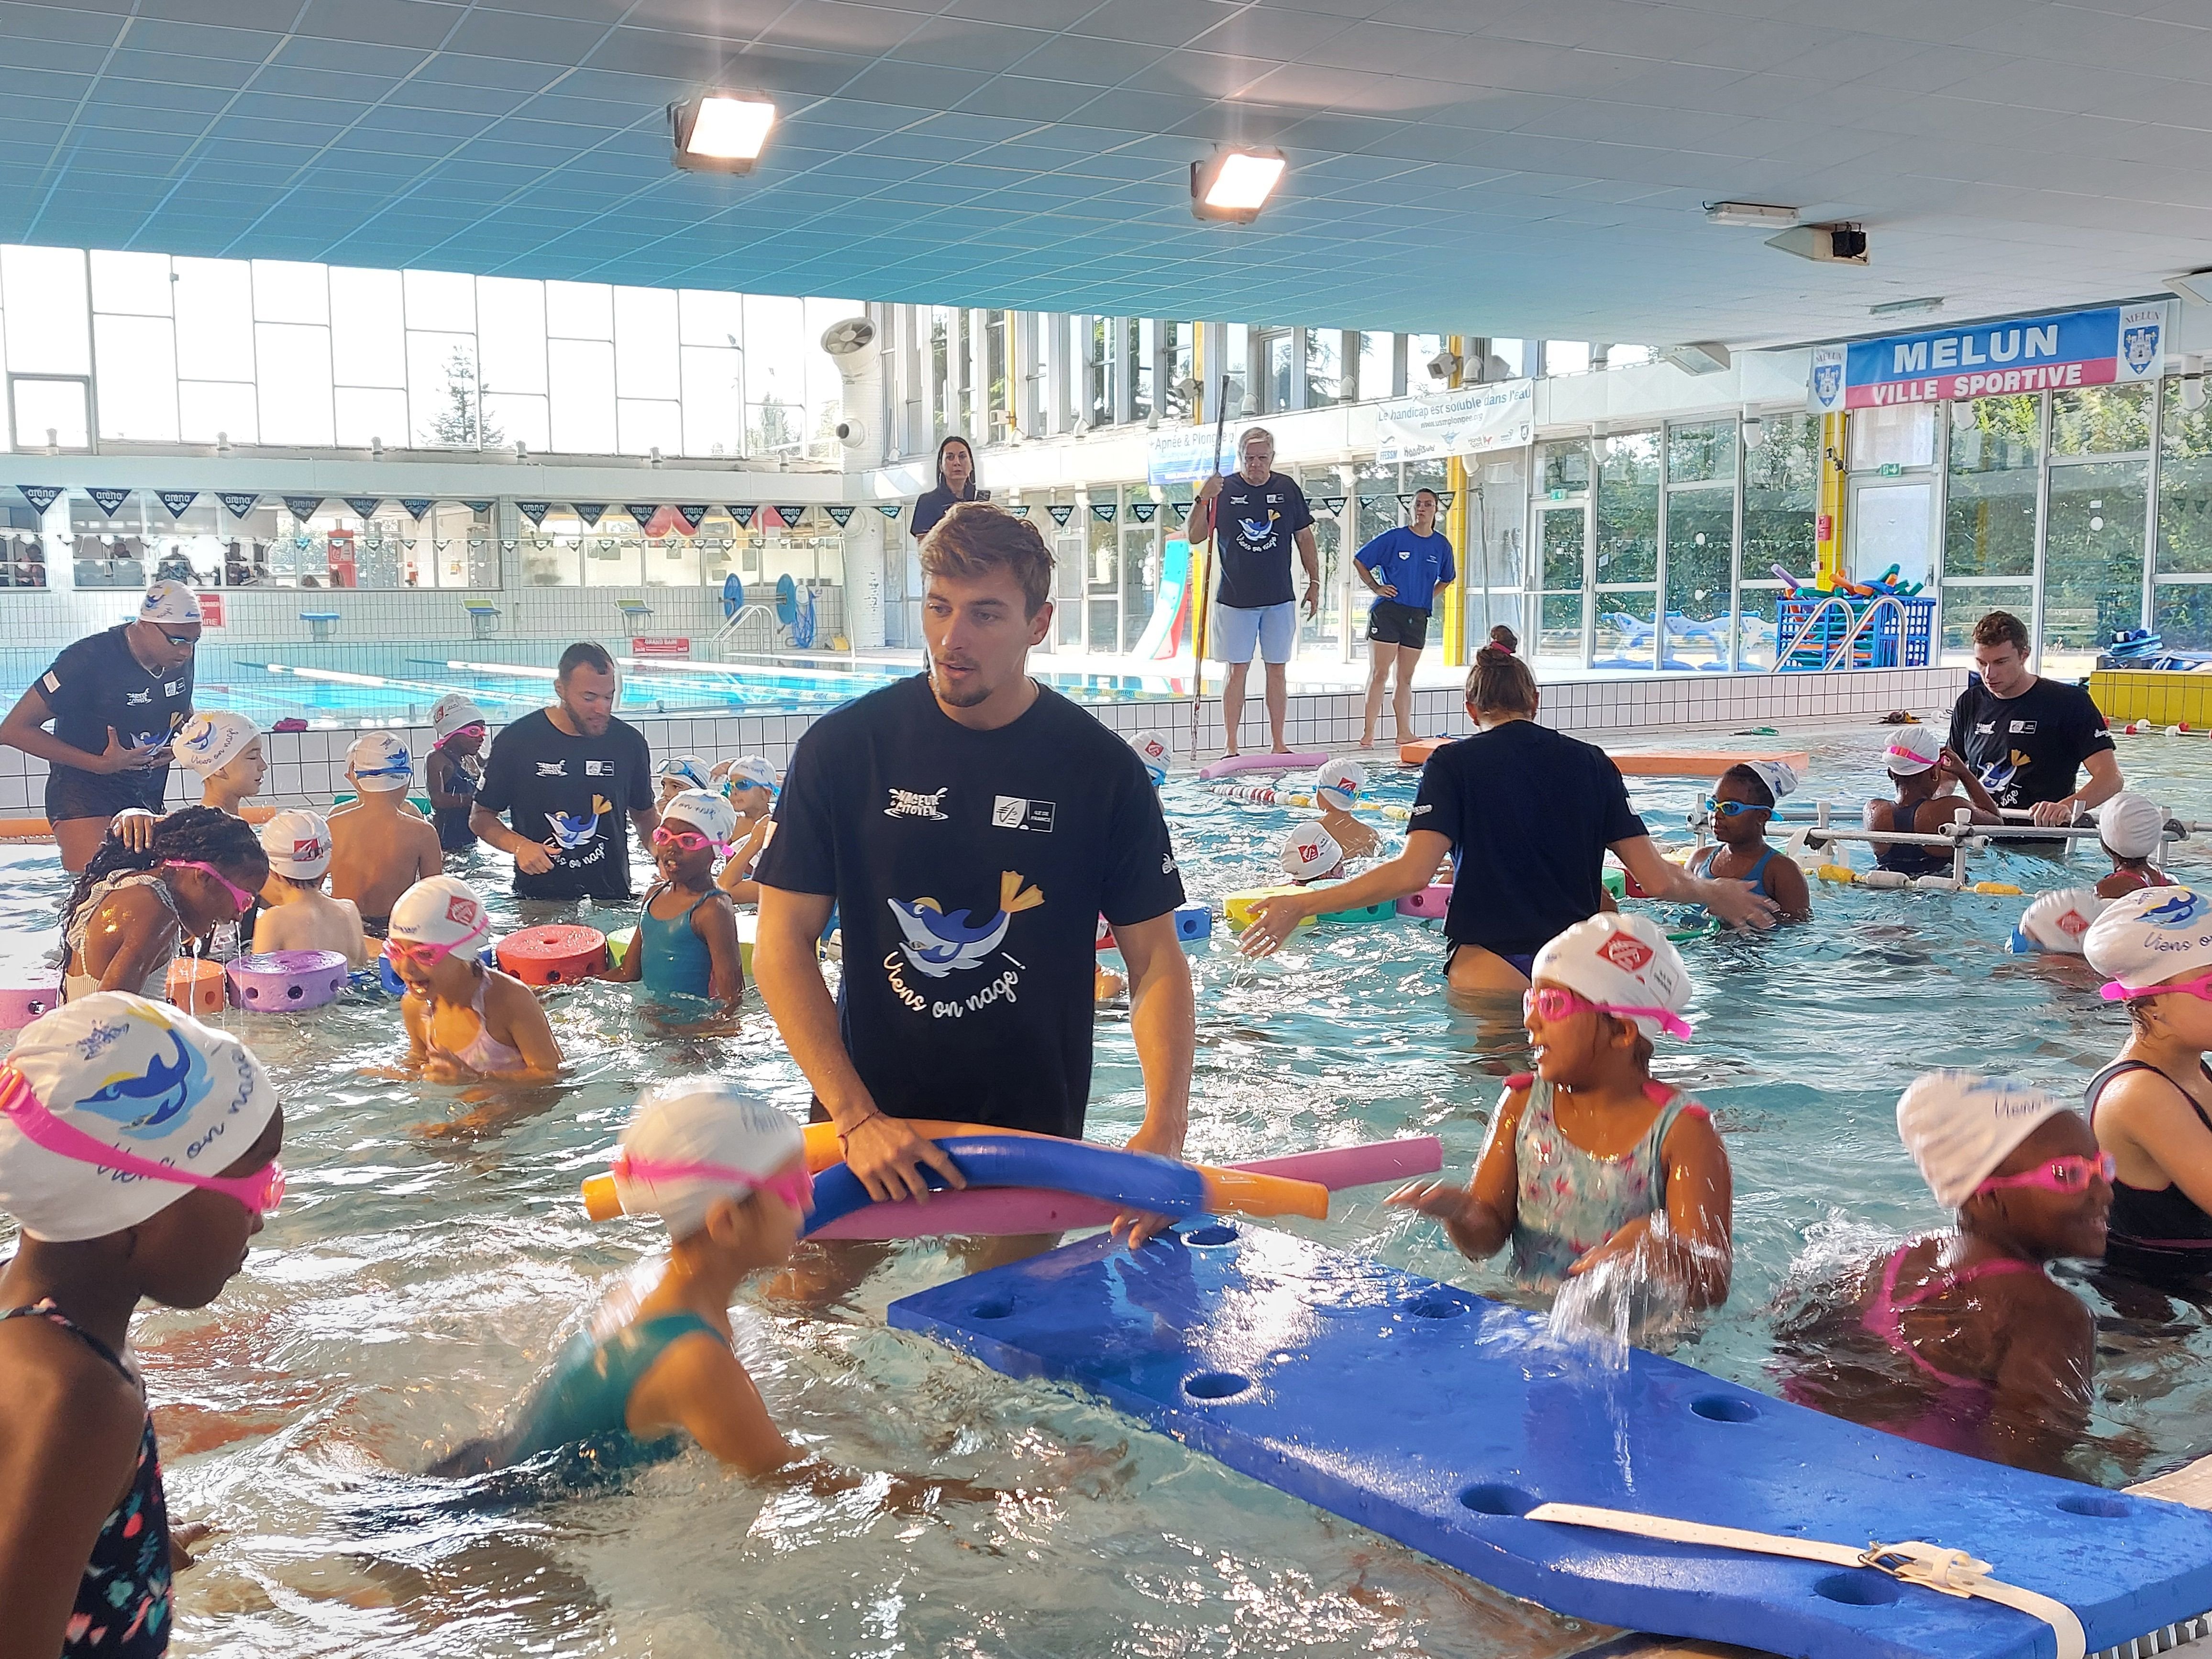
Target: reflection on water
x=417, y=1282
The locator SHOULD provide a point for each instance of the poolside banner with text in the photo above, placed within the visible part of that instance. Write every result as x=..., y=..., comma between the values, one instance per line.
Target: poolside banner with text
x=40, y=496
x=107, y=500
x=1179, y=454
x=303, y=507
x=238, y=506
x=1500, y=415
x=2113, y=344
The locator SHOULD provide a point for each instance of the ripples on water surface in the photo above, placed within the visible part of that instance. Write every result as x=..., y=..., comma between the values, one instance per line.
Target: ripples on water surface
x=417, y=1282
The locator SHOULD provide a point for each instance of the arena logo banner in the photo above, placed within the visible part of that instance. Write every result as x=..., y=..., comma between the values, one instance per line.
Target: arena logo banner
x=534, y=511
x=590, y=512
x=839, y=516
x=176, y=501
x=1405, y=503
x=693, y=513
x=1143, y=512
x=1019, y=509
x=1329, y=503
x=639, y=511
x=477, y=507
x=1446, y=497
x=791, y=516
x=1104, y=511
x=415, y=509
x=1181, y=509
x=364, y=507
x=108, y=500
x=1468, y=421
x=303, y=507
x=40, y=496
x=1060, y=515
x=2113, y=344
x=890, y=509
x=236, y=505
x=743, y=516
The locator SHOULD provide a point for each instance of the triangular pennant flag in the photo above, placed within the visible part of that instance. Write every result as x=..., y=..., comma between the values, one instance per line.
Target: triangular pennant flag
x=40, y=496
x=364, y=506
x=303, y=507
x=1406, y=502
x=1104, y=511
x=176, y=500
x=109, y=500
x=890, y=509
x=1370, y=501
x=506, y=545
x=693, y=515
x=641, y=512
x=791, y=515
x=1019, y=509
x=1181, y=509
x=1329, y=503
x=477, y=507
x=1143, y=512
x=416, y=508
x=236, y=505
x=743, y=516
x=1060, y=515
x=534, y=511
x=1446, y=498
x=839, y=516
x=590, y=512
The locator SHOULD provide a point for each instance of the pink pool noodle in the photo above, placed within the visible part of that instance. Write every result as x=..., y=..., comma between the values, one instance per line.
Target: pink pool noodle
x=996, y=1212
x=1222, y=769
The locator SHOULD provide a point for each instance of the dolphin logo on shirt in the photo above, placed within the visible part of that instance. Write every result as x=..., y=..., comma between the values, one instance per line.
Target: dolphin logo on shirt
x=1999, y=773
x=571, y=830
x=147, y=1106
x=937, y=944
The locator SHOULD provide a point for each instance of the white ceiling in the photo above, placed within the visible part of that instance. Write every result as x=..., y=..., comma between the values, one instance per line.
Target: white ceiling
x=1514, y=167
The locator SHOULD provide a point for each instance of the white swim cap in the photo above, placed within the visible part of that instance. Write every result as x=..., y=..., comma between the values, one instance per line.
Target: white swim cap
x=1339, y=783
x=2131, y=825
x=706, y=811
x=1310, y=851
x=2058, y=922
x=1779, y=776
x=1621, y=962
x=380, y=762
x=298, y=843
x=453, y=711
x=1960, y=1126
x=1912, y=750
x=752, y=772
x=212, y=740
x=689, y=770
x=168, y=602
x=2150, y=935
x=439, y=910
x=698, y=1121
x=142, y=1077
x=1153, y=751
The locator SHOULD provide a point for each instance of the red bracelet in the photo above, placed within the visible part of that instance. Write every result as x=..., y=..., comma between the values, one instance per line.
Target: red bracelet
x=869, y=1118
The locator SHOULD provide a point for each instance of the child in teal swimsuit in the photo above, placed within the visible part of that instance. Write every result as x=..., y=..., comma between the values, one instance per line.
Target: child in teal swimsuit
x=1742, y=804
x=686, y=943
x=1589, y=1159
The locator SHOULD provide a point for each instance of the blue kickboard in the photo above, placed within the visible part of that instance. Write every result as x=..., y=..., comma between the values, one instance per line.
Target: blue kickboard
x=1437, y=1417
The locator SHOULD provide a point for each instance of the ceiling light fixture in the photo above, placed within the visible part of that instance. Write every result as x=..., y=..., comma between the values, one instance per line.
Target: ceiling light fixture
x=1755, y=216
x=1235, y=184
x=1900, y=308
x=720, y=131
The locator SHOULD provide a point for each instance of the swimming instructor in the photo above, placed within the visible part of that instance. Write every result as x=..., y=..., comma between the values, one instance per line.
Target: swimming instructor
x=971, y=826
x=1530, y=814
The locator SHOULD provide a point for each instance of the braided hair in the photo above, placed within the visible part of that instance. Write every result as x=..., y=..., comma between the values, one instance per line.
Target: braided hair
x=204, y=835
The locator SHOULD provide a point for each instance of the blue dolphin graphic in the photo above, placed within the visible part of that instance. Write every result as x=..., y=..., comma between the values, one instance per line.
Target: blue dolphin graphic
x=936, y=943
x=2181, y=908
x=573, y=829
x=146, y=1106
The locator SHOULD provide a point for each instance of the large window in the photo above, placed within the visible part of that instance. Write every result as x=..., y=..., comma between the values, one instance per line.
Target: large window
x=1624, y=551
x=1700, y=543
x=1781, y=484
x=2181, y=609
x=2098, y=519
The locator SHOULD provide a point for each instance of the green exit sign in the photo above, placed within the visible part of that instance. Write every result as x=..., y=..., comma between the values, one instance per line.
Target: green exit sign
x=1891, y=469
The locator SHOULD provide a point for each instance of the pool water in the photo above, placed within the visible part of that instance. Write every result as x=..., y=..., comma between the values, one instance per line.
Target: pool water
x=432, y=1256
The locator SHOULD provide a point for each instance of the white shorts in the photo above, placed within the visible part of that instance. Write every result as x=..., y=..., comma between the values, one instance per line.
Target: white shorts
x=1273, y=628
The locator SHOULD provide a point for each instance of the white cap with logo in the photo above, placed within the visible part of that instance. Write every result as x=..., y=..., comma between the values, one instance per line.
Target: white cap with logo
x=1960, y=1126
x=169, y=602
x=453, y=712
x=2151, y=935
x=1621, y=962
x=2058, y=922
x=1309, y=852
x=298, y=843
x=752, y=772
x=1339, y=783
x=213, y=739
x=706, y=811
x=380, y=762
x=2131, y=825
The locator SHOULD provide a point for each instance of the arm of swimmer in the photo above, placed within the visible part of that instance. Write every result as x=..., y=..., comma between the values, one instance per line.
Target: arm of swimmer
x=883, y=1152
x=414, y=1017
x=2042, y=1388
x=1787, y=887
x=716, y=925
x=435, y=772
x=64, y=1464
x=1731, y=901
x=698, y=1385
x=1479, y=1216
x=527, y=1029
x=631, y=968
x=1274, y=919
x=1693, y=1250
x=2153, y=1133
x=429, y=851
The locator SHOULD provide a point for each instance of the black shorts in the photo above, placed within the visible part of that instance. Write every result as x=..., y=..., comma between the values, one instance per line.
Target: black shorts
x=1390, y=623
x=72, y=794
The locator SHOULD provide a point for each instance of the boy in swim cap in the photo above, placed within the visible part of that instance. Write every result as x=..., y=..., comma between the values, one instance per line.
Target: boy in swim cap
x=681, y=772
x=1959, y=1339
x=455, y=768
x=752, y=782
x=1742, y=805
x=2055, y=923
x=1309, y=854
x=1337, y=786
x=379, y=845
x=1923, y=771
x=464, y=1020
x=225, y=751
x=1590, y=1159
x=137, y=1156
x=297, y=913
x=686, y=942
x=2130, y=828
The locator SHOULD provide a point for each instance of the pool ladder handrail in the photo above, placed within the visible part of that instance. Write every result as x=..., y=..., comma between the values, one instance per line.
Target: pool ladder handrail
x=1840, y=653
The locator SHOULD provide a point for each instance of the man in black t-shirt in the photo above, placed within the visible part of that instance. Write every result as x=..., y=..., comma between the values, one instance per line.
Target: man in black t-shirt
x=2026, y=736
x=971, y=827
x=1262, y=514
x=566, y=776
x=114, y=699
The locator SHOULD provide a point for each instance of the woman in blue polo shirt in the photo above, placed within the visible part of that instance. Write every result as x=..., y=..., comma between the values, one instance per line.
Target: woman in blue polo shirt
x=1403, y=568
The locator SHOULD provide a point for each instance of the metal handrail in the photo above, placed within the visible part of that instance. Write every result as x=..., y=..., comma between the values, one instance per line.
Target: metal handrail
x=1840, y=653
x=1843, y=651
x=1788, y=649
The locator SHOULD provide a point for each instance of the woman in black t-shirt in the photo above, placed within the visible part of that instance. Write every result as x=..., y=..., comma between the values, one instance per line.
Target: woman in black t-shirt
x=956, y=482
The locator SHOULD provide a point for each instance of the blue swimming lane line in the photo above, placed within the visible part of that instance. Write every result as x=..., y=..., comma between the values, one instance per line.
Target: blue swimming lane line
x=1438, y=1418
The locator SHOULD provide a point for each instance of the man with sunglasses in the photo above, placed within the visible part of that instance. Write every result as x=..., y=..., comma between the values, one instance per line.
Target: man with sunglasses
x=113, y=699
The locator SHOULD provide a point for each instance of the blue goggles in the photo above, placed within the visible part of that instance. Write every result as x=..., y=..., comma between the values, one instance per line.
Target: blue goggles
x=1732, y=808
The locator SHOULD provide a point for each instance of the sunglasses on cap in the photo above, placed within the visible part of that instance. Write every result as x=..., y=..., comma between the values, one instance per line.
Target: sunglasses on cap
x=2200, y=987
x=1732, y=808
x=793, y=1187
x=260, y=1193
x=240, y=896
x=2060, y=1174
x=1551, y=1002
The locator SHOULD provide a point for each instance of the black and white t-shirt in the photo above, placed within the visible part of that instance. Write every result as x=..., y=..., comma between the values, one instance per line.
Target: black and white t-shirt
x=970, y=869
x=574, y=793
x=96, y=684
x=2029, y=748
x=1255, y=528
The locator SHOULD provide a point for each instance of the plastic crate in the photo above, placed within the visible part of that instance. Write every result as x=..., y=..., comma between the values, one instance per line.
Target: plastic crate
x=1882, y=644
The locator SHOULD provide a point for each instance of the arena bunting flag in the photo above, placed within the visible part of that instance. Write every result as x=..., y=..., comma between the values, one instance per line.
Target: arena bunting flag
x=890, y=509
x=236, y=505
x=1019, y=509
x=1329, y=503
x=40, y=496
x=108, y=500
x=1143, y=512
x=303, y=507
x=590, y=512
x=693, y=513
x=743, y=516
x=364, y=507
x=1061, y=514
x=839, y=516
x=641, y=511
x=1446, y=497
x=176, y=500
x=1405, y=503
x=477, y=507
x=791, y=516
x=1104, y=511
x=1181, y=509
x=415, y=509
x=534, y=511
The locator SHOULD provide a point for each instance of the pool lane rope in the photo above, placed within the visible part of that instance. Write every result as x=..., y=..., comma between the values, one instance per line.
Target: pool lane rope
x=1947, y=1571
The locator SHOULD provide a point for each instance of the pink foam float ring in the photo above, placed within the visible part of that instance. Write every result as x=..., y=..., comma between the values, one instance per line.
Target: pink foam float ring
x=199, y=987
x=286, y=982
x=18, y=1008
x=1428, y=902
x=559, y=954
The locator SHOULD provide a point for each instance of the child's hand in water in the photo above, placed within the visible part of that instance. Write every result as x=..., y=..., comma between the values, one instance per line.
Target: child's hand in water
x=1468, y=1220
x=443, y=1068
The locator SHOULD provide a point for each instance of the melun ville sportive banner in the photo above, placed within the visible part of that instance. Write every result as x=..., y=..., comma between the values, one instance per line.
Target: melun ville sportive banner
x=1497, y=415
x=2115, y=343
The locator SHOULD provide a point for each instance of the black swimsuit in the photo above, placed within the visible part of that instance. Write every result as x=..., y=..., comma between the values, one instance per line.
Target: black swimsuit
x=2156, y=1235
x=1909, y=859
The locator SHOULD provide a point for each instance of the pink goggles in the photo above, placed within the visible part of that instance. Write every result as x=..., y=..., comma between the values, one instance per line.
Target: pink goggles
x=1553, y=1002
x=426, y=954
x=685, y=840
x=2060, y=1174
x=240, y=896
x=795, y=1189
x=260, y=1192
x=2200, y=987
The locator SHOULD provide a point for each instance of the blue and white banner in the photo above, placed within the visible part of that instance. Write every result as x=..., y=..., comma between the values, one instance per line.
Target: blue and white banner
x=108, y=500
x=693, y=513
x=1497, y=415
x=791, y=516
x=303, y=507
x=40, y=496
x=743, y=516
x=590, y=512
x=1824, y=386
x=236, y=505
x=416, y=508
x=176, y=500
x=839, y=516
x=364, y=506
x=2114, y=344
x=1180, y=454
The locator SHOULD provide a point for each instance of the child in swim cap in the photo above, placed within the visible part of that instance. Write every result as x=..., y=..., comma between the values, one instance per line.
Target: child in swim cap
x=2152, y=1107
x=1311, y=853
x=2056, y=923
x=453, y=770
x=1590, y=1159
x=297, y=913
x=1742, y=805
x=137, y=1156
x=380, y=846
x=464, y=1020
x=225, y=749
x=1959, y=1339
x=728, y=1177
x=752, y=783
x=686, y=943
x=2129, y=827
x=681, y=772
x=134, y=908
x=1337, y=788
x=1924, y=769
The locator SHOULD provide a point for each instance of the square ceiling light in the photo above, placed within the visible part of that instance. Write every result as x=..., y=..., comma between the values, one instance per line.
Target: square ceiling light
x=720, y=131
x=1236, y=183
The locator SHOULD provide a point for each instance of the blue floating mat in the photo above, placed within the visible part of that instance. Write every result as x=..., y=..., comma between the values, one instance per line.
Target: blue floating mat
x=1438, y=1418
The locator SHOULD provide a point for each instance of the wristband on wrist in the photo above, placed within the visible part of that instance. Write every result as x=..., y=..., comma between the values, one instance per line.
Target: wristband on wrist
x=844, y=1132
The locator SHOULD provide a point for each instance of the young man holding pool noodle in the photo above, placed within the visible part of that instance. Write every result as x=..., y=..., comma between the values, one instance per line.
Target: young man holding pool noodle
x=970, y=827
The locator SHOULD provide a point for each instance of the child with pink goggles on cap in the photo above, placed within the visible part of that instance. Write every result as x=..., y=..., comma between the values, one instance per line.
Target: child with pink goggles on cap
x=464, y=1020
x=1590, y=1160
x=686, y=943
